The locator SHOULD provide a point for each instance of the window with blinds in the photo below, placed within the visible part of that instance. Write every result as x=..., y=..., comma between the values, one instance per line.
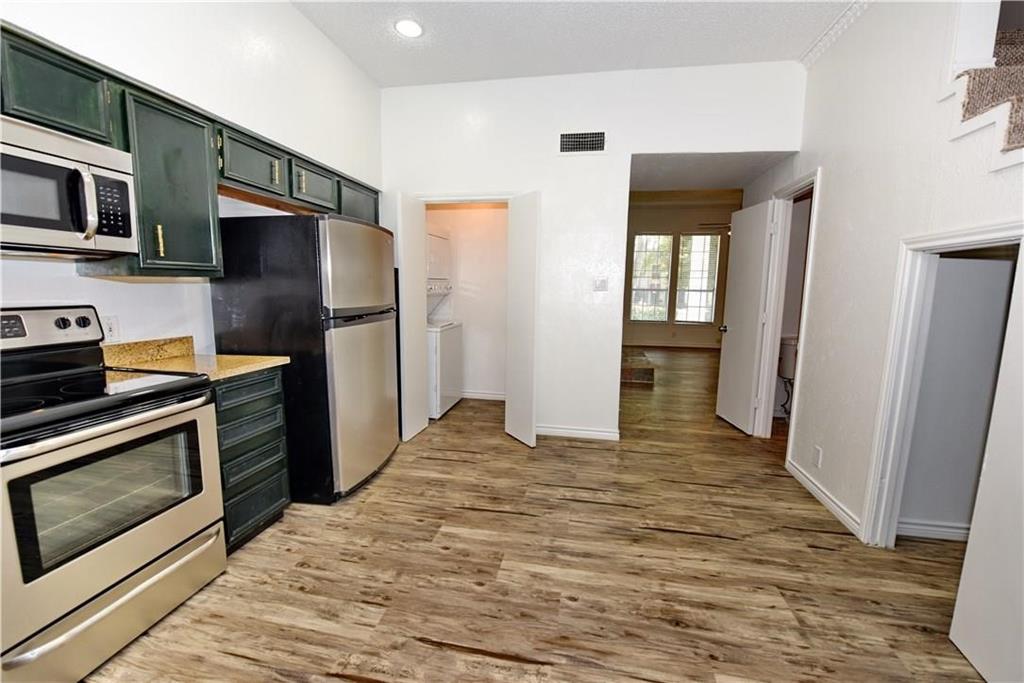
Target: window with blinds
x=697, y=278
x=652, y=272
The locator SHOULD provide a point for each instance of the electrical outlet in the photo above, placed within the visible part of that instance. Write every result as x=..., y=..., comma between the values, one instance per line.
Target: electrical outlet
x=818, y=454
x=111, y=328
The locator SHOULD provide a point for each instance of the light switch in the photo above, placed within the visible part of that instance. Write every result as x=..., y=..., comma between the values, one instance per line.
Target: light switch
x=600, y=284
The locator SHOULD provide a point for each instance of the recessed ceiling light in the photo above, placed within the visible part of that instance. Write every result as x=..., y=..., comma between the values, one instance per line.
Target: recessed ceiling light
x=409, y=28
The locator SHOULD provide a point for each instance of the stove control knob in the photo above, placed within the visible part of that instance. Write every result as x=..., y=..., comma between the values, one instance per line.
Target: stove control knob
x=83, y=321
x=62, y=323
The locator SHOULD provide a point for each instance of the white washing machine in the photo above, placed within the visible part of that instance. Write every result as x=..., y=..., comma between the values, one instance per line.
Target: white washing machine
x=444, y=366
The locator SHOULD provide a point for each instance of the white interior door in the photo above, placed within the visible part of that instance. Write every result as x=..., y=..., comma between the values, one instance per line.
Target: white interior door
x=411, y=222
x=988, y=619
x=750, y=247
x=520, y=350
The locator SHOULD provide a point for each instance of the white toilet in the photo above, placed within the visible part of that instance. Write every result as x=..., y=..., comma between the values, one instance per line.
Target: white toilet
x=787, y=358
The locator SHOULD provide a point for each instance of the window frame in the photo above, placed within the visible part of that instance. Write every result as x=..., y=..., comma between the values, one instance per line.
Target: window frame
x=670, y=296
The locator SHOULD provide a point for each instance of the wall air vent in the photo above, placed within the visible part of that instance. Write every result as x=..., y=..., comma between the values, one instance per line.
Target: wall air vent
x=582, y=142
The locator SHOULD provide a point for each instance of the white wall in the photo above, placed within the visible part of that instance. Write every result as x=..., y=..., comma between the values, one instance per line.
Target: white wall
x=143, y=310
x=958, y=380
x=496, y=137
x=874, y=126
x=256, y=64
x=480, y=259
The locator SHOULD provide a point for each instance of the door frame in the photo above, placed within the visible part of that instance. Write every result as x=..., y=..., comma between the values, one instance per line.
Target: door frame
x=504, y=197
x=775, y=300
x=901, y=375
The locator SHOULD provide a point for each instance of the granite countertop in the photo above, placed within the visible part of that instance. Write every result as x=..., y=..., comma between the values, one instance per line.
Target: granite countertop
x=177, y=355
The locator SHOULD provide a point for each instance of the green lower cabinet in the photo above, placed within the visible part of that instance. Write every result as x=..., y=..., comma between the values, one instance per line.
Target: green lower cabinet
x=44, y=87
x=253, y=453
x=313, y=185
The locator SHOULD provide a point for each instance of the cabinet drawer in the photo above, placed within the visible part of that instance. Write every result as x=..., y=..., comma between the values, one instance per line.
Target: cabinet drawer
x=242, y=448
x=248, y=510
x=252, y=163
x=50, y=90
x=231, y=393
x=253, y=467
x=247, y=427
x=315, y=186
x=358, y=202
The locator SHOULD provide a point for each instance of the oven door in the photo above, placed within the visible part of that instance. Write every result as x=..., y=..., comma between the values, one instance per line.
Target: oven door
x=47, y=201
x=81, y=517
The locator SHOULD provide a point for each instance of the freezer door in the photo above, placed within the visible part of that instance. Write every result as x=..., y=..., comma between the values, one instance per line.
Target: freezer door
x=357, y=266
x=363, y=397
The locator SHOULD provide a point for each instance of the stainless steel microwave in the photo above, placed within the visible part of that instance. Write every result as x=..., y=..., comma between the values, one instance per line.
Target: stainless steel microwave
x=64, y=196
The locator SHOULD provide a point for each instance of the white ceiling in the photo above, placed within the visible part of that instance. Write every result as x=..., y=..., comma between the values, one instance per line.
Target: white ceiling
x=467, y=41
x=699, y=171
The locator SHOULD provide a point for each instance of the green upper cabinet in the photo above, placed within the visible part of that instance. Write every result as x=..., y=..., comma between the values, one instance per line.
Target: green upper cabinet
x=314, y=185
x=177, y=187
x=252, y=163
x=46, y=88
x=358, y=202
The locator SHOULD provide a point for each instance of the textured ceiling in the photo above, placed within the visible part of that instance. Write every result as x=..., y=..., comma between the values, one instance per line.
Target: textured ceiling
x=466, y=41
x=655, y=172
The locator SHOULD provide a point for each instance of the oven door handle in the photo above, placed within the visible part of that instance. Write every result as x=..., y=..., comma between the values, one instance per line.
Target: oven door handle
x=49, y=646
x=8, y=455
x=92, y=212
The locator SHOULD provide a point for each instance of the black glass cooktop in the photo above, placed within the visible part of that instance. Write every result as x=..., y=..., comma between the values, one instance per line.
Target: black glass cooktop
x=46, y=405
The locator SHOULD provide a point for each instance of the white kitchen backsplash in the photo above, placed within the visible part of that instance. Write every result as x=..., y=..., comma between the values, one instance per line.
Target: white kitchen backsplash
x=143, y=309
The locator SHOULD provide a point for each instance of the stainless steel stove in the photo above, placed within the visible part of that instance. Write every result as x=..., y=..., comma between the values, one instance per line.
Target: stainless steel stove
x=112, y=510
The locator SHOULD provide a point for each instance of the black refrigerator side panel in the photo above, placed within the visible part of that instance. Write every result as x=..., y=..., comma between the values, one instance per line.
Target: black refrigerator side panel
x=268, y=303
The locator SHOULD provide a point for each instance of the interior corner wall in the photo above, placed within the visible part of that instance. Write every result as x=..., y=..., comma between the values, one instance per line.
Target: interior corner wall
x=498, y=138
x=237, y=60
x=479, y=277
x=874, y=126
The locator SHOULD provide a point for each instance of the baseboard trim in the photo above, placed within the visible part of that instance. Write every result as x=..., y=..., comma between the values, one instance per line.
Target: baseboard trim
x=921, y=528
x=841, y=512
x=484, y=395
x=578, y=432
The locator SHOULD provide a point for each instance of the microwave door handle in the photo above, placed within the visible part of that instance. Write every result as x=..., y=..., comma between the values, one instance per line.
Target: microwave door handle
x=92, y=213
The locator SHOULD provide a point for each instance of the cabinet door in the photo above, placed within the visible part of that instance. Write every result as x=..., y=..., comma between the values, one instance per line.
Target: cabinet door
x=252, y=163
x=313, y=185
x=358, y=202
x=176, y=186
x=48, y=89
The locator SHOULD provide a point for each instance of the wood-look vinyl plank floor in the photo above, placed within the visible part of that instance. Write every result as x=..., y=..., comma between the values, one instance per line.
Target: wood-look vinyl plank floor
x=683, y=552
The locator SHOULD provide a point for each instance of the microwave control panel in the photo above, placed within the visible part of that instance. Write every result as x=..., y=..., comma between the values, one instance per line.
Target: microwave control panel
x=115, y=214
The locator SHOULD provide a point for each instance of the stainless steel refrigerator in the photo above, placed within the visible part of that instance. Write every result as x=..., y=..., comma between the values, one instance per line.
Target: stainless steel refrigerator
x=320, y=289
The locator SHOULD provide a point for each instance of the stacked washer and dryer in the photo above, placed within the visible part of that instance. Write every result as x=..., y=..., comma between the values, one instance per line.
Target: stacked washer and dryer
x=444, y=333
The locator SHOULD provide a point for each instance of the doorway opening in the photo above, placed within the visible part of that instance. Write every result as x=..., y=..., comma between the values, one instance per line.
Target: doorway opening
x=467, y=285
x=960, y=360
x=952, y=308
x=519, y=213
x=713, y=296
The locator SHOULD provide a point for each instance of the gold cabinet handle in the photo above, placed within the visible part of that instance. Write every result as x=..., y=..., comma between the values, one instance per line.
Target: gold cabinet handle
x=160, y=241
x=275, y=172
x=302, y=182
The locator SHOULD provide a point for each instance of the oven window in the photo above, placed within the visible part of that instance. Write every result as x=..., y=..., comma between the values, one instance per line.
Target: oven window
x=38, y=195
x=64, y=511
